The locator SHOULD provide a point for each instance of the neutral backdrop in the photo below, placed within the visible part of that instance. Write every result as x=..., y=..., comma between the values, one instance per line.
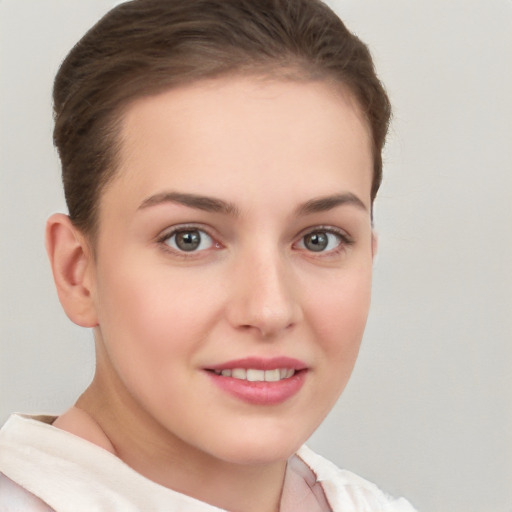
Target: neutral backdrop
x=428, y=412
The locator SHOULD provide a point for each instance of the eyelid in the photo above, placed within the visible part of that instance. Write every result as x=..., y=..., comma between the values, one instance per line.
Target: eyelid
x=345, y=238
x=166, y=234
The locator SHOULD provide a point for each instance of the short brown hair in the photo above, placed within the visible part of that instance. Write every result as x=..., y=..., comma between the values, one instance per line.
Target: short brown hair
x=143, y=47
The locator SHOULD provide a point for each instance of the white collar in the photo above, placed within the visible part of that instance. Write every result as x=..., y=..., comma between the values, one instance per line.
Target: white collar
x=58, y=466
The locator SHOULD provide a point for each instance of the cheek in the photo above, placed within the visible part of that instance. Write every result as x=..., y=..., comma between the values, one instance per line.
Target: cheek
x=339, y=311
x=149, y=328
x=152, y=312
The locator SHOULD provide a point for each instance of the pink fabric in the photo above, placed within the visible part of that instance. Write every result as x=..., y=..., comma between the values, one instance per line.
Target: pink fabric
x=301, y=491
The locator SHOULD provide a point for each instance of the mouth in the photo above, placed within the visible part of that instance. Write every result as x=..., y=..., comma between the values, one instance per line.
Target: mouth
x=256, y=375
x=260, y=381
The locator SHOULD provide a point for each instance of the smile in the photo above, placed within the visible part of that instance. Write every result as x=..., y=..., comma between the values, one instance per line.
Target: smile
x=260, y=381
x=256, y=375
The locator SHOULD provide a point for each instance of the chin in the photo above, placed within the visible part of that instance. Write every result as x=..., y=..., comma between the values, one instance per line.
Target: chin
x=262, y=446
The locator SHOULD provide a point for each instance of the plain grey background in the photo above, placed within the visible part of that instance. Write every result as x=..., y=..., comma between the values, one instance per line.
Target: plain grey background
x=428, y=412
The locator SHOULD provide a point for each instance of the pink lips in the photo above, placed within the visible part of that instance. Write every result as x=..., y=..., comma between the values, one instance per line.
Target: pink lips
x=260, y=392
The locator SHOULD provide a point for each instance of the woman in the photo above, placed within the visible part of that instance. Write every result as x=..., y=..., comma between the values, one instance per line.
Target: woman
x=220, y=160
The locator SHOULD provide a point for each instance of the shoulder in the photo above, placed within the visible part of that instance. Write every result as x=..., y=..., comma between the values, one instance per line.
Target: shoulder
x=349, y=492
x=14, y=498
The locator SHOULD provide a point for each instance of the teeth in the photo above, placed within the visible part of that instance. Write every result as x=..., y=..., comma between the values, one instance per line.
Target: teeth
x=254, y=375
x=239, y=373
x=272, y=375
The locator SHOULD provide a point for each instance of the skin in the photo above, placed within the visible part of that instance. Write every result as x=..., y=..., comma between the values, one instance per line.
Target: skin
x=269, y=150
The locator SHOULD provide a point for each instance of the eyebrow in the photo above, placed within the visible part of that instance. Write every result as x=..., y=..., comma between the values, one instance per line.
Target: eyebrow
x=211, y=204
x=208, y=204
x=326, y=203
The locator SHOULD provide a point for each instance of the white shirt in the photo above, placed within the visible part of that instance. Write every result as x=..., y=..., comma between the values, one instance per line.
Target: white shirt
x=70, y=474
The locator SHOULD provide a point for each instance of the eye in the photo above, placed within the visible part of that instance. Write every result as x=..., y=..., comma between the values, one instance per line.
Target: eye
x=323, y=240
x=189, y=240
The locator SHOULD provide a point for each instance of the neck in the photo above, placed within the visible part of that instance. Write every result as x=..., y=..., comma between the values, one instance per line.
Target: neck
x=111, y=419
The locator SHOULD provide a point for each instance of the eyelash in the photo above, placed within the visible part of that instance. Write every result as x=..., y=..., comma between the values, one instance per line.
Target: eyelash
x=176, y=230
x=344, y=240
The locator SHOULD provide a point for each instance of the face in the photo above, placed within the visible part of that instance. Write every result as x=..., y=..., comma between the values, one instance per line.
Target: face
x=233, y=264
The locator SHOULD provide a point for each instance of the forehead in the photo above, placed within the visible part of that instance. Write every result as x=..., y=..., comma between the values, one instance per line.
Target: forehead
x=248, y=133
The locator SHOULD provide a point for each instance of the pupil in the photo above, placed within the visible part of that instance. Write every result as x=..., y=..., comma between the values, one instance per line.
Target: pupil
x=188, y=240
x=316, y=241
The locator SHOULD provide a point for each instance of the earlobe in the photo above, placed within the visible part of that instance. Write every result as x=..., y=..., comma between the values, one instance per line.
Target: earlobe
x=72, y=266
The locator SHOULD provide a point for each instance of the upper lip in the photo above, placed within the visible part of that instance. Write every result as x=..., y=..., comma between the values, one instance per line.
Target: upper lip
x=260, y=363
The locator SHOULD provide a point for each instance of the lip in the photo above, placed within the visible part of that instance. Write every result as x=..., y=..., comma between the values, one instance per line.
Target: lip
x=260, y=393
x=260, y=363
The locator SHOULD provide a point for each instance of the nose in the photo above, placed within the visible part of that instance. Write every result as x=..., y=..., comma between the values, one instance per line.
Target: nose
x=264, y=296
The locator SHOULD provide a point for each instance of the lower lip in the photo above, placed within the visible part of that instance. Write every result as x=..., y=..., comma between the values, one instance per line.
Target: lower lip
x=261, y=393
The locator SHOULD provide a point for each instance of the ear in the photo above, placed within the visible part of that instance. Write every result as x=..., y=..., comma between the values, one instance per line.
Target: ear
x=73, y=269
